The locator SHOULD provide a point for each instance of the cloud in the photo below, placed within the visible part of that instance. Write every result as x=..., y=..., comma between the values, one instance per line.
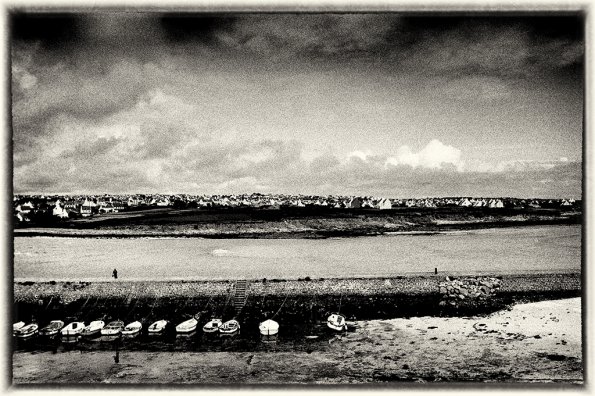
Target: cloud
x=433, y=156
x=126, y=103
x=315, y=35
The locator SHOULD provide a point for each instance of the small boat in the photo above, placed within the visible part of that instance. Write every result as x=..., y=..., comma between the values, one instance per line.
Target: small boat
x=336, y=322
x=212, y=326
x=132, y=328
x=16, y=326
x=157, y=327
x=269, y=327
x=93, y=328
x=73, y=329
x=27, y=330
x=187, y=326
x=113, y=328
x=52, y=328
x=229, y=327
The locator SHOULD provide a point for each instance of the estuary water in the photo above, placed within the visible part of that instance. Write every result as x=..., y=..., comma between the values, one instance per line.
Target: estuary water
x=500, y=250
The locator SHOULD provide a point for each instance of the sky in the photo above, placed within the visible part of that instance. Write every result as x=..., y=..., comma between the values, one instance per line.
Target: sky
x=384, y=104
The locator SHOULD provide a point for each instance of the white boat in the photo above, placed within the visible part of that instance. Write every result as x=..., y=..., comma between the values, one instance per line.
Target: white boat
x=73, y=329
x=187, y=326
x=157, y=327
x=229, y=327
x=336, y=322
x=113, y=328
x=93, y=328
x=16, y=326
x=269, y=327
x=52, y=328
x=212, y=326
x=27, y=330
x=132, y=328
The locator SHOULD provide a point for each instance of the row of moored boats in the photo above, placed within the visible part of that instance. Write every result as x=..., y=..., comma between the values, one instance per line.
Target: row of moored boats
x=117, y=327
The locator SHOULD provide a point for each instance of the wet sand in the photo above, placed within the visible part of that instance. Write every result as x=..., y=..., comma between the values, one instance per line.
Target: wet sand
x=534, y=342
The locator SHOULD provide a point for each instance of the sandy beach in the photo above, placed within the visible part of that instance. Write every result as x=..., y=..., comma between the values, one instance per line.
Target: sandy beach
x=534, y=342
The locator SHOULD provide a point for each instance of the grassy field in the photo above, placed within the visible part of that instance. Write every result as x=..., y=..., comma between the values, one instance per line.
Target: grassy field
x=309, y=222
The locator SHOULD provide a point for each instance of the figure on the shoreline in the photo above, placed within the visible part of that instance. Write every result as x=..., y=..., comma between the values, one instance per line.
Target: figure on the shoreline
x=115, y=274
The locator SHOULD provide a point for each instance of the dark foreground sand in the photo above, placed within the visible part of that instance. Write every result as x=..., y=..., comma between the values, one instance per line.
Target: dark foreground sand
x=535, y=342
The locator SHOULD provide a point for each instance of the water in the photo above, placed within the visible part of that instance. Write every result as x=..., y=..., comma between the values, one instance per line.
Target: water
x=504, y=250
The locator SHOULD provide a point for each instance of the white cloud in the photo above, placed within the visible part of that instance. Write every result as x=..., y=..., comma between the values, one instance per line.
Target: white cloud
x=363, y=155
x=433, y=156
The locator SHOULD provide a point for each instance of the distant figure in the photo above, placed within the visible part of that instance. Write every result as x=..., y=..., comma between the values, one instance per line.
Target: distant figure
x=115, y=273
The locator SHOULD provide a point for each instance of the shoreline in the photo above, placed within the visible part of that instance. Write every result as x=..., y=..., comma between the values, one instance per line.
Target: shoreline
x=528, y=343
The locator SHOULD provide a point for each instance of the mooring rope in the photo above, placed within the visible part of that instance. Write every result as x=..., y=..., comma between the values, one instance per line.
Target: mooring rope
x=208, y=302
x=279, y=310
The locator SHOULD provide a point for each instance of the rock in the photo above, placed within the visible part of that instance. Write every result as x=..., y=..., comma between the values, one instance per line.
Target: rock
x=442, y=290
x=462, y=297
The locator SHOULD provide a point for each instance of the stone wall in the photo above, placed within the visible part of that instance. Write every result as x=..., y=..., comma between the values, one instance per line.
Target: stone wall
x=455, y=291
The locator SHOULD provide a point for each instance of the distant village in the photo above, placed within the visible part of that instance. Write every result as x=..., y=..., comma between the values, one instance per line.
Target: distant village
x=29, y=207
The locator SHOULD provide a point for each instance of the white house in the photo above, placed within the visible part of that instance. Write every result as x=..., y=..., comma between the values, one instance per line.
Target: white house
x=384, y=203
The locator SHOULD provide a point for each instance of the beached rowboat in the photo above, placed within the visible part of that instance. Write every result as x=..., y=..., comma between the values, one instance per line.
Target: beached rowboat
x=187, y=326
x=132, y=328
x=336, y=322
x=16, y=326
x=113, y=328
x=229, y=327
x=93, y=328
x=73, y=329
x=268, y=327
x=157, y=327
x=212, y=326
x=27, y=331
x=52, y=328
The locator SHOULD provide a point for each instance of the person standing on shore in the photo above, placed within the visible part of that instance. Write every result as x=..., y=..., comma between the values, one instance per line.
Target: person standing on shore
x=115, y=274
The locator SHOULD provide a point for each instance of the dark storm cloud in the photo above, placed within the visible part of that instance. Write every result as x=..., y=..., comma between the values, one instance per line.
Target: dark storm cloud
x=190, y=27
x=53, y=30
x=121, y=102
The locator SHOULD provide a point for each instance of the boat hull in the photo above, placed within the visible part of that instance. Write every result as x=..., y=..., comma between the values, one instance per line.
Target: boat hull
x=113, y=328
x=130, y=332
x=16, y=327
x=230, y=327
x=49, y=333
x=187, y=327
x=27, y=331
x=70, y=330
x=213, y=326
x=157, y=327
x=114, y=332
x=90, y=333
x=336, y=322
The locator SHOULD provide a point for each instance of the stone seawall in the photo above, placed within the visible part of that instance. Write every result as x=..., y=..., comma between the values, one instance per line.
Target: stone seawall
x=378, y=298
